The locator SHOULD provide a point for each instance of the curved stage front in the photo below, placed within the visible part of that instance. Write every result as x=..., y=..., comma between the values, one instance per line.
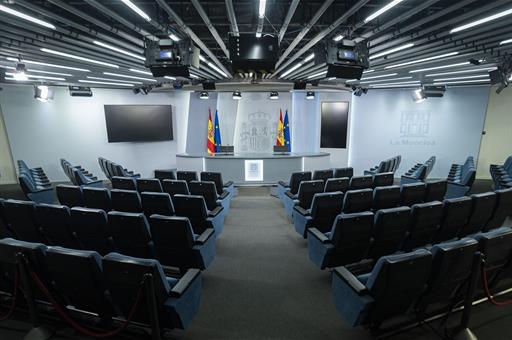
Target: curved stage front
x=254, y=169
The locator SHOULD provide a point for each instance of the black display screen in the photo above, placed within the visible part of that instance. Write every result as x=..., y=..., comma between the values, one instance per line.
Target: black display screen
x=334, y=125
x=138, y=123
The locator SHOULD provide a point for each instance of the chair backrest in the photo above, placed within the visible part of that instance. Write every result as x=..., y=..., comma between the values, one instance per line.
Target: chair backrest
x=343, y=172
x=296, y=178
x=149, y=184
x=307, y=190
x=456, y=212
x=361, y=182
x=435, y=190
x=322, y=174
x=70, y=195
x=205, y=189
x=54, y=222
x=130, y=232
x=386, y=197
x=482, y=209
x=125, y=200
x=27, y=184
x=425, y=219
x=502, y=209
x=358, y=200
x=156, y=203
x=175, y=187
x=97, y=198
x=389, y=231
x=186, y=176
x=337, y=184
x=496, y=245
x=412, y=193
x=123, y=183
x=90, y=228
x=350, y=235
x=215, y=177
x=324, y=209
x=21, y=218
x=383, y=179
x=193, y=207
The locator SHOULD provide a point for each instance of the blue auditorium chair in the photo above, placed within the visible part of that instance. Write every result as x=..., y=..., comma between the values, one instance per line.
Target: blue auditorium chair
x=414, y=176
x=482, y=208
x=346, y=243
x=149, y=184
x=36, y=192
x=130, y=232
x=391, y=288
x=70, y=195
x=91, y=229
x=194, y=208
x=156, y=203
x=386, y=197
x=361, y=182
x=175, y=187
x=293, y=185
x=383, y=179
x=176, y=245
x=177, y=300
x=54, y=222
x=412, y=193
x=502, y=209
x=21, y=218
x=216, y=177
x=118, y=170
x=304, y=196
x=496, y=247
x=5, y=229
x=97, y=198
x=425, y=219
x=125, y=200
x=456, y=213
x=460, y=178
x=389, y=231
x=209, y=193
x=435, y=190
x=324, y=209
x=123, y=183
x=343, y=172
x=341, y=184
x=83, y=180
x=357, y=201
x=187, y=176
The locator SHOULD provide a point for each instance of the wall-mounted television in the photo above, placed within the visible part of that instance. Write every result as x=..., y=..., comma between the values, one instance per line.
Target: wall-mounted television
x=138, y=123
x=334, y=125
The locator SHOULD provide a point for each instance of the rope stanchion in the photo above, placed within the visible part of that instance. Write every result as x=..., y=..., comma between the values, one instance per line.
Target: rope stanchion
x=61, y=311
x=488, y=294
x=14, y=298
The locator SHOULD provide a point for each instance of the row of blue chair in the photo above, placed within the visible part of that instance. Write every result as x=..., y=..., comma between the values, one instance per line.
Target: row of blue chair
x=359, y=236
x=35, y=184
x=169, y=239
x=460, y=178
x=502, y=174
x=111, y=169
x=387, y=165
x=114, y=288
x=419, y=172
x=78, y=175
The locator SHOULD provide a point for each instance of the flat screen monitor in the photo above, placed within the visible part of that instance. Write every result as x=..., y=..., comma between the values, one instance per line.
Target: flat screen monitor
x=138, y=123
x=334, y=125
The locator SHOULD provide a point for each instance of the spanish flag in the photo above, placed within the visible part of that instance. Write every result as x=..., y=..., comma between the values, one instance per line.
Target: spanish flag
x=280, y=130
x=211, y=141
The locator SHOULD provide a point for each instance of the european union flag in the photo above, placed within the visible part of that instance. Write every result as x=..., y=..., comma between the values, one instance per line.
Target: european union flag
x=287, y=140
x=216, y=137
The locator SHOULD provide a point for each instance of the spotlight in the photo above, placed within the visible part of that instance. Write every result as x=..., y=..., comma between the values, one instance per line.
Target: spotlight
x=43, y=93
x=274, y=95
x=177, y=85
x=418, y=95
x=474, y=61
x=136, y=90
x=358, y=91
x=237, y=95
x=21, y=72
x=145, y=90
x=204, y=95
x=310, y=95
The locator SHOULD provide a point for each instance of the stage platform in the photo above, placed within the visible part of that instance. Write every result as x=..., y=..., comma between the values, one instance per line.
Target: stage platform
x=254, y=169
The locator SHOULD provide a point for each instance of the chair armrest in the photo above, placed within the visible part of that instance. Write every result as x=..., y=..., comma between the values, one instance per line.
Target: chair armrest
x=290, y=195
x=228, y=184
x=350, y=279
x=319, y=235
x=186, y=281
x=215, y=211
x=284, y=184
x=43, y=190
x=224, y=195
x=205, y=236
x=301, y=210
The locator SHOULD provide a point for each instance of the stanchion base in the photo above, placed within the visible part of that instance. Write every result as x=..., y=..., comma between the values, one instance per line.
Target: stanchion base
x=465, y=334
x=39, y=333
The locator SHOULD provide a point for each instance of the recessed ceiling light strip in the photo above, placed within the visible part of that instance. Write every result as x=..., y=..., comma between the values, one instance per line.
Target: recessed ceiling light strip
x=72, y=56
x=486, y=69
x=417, y=61
x=463, y=82
x=486, y=76
x=127, y=76
x=37, y=77
x=116, y=80
x=49, y=65
x=104, y=83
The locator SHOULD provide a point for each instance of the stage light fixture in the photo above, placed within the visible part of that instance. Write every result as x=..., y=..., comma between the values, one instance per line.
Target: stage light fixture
x=418, y=95
x=43, y=93
x=417, y=61
x=382, y=10
x=204, y=95
x=310, y=95
x=72, y=56
x=20, y=73
x=11, y=11
x=274, y=95
x=482, y=21
x=137, y=10
x=237, y=95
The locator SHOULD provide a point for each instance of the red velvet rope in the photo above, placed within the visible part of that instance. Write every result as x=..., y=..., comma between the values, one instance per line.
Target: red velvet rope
x=490, y=297
x=14, y=297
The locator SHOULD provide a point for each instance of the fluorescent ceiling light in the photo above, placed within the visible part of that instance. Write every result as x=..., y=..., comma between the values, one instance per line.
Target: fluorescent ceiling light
x=54, y=73
x=110, y=47
x=258, y=34
x=374, y=77
x=417, y=61
x=104, y=83
x=26, y=17
x=385, y=86
x=508, y=41
x=368, y=71
x=126, y=76
x=462, y=82
x=462, y=78
x=381, y=80
x=440, y=67
x=261, y=9
x=174, y=37
x=393, y=50
x=168, y=77
x=14, y=75
x=136, y=9
x=293, y=68
x=332, y=78
x=193, y=76
x=482, y=21
x=460, y=72
x=338, y=37
x=49, y=65
x=309, y=57
x=203, y=59
x=216, y=69
x=398, y=83
x=382, y=10
x=72, y=56
x=141, y=72
x=114, y=80
x=317, y=74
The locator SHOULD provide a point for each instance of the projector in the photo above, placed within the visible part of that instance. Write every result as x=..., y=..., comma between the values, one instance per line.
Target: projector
x=434, y=91
x=80, y=91
x=345, y=59
x=251, y=54
x=167, y=57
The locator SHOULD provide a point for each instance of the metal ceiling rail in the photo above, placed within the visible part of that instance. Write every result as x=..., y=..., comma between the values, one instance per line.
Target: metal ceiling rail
x=232, y=17
x=210, y=26
x=287, y=19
